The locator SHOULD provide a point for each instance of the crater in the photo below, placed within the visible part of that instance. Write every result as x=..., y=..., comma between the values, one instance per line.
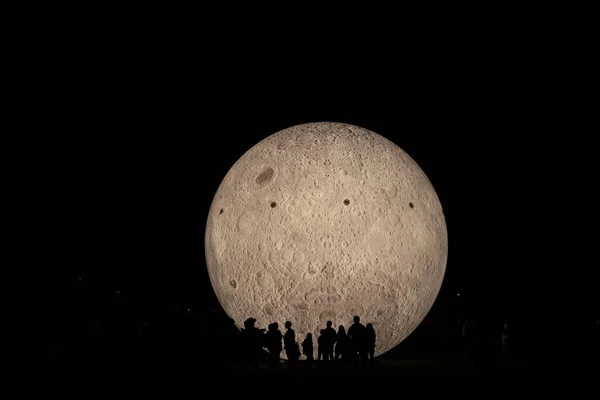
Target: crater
x=391, y=190
x=356, y=310
x=299, y=257
x=327, y=269
x=300, y=306
x=378, y=244
x=394, y=220
x=246, y=223
x=346, y=202
x=221, y=211
x=284, y=145
x=269, y=310
x=233, y=283
x=327, y=315
x=265, y=176
x=287, y=255
x=265, y=280
x=411, y=205
x=312, y=295
x=273, y=204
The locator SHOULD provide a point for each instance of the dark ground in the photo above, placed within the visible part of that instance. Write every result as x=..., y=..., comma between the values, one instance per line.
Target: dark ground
x=154, y=373
x=205, y=368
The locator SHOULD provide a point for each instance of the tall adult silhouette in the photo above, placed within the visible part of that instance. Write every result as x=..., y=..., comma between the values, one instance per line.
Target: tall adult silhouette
x=291, y=347
x=273, y=342
x=341, y=344
x=357, y=341
x=330, y=337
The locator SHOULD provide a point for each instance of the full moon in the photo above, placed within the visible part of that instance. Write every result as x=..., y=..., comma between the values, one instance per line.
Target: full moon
x=324, y=221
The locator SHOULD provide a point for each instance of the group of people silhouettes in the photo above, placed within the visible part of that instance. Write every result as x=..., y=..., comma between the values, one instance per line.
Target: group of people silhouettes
x=357, y=345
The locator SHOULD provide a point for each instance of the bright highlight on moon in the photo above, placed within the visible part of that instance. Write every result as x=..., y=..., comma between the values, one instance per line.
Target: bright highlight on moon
x=325, y=221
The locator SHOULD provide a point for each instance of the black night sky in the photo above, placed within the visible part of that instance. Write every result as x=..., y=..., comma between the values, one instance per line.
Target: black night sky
x=135, y=147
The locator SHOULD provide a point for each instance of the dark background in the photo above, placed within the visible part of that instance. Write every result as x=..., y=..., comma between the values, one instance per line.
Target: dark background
x=134, y=137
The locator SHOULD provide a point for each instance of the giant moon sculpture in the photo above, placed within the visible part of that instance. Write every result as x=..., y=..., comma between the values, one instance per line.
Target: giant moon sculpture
x=325, y=221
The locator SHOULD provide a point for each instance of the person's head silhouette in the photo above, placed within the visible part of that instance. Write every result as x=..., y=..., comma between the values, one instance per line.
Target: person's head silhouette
x=370, y=326
x=288, y=324
x=356, y=319
x=341, y=329
x=249, y=323
x=329, y=323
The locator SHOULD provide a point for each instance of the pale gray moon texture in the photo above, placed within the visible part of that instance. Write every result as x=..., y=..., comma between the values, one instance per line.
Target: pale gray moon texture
x=325, y=221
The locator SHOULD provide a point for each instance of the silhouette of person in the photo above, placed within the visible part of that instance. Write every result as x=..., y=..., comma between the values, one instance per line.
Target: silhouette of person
x=290, y=345
x=330, y=338
x=251, y=343
x=321, y=344
x=307, y=349
x=370, y=339
x=341, y=344
x=273, y=342
x=357, y=341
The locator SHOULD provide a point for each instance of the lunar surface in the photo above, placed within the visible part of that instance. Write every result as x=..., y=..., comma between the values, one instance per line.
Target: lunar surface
x=325, y=221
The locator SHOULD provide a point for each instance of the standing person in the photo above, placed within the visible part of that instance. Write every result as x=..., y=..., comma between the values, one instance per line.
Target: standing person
x=307, y=349
x=341, y=347
x=290, y=346
x=251, y=344
x=357, y=340
x=320, y=344
x=329, y=341
x=273, y=342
